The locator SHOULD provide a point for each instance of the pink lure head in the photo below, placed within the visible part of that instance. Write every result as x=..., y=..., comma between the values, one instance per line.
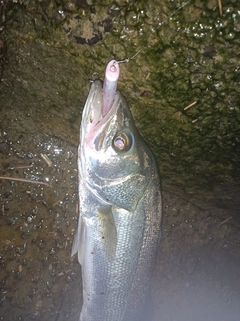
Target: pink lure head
x=110, y=85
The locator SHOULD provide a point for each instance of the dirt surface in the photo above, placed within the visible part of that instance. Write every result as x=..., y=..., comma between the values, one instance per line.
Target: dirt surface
x=197, y=272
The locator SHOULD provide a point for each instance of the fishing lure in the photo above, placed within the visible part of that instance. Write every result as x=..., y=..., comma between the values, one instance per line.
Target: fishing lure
x=110, y=82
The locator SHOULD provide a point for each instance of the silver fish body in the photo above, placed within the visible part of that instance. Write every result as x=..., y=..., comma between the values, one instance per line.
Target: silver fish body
x=120, y=212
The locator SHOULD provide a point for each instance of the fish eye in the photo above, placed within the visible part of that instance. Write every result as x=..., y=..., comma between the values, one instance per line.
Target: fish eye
x=122, y=142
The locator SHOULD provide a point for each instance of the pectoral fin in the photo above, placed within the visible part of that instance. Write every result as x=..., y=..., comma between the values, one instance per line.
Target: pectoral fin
x=79, y=240
x=107, y=232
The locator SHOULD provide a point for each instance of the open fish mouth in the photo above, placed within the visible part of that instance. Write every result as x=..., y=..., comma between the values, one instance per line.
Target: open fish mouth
x=102, y=102
x=94, y=124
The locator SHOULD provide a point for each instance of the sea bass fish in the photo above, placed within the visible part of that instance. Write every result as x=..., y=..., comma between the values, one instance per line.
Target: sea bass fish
x=120, y=209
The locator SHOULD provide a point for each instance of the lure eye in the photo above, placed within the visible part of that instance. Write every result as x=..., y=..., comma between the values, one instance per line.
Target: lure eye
x=122, y=142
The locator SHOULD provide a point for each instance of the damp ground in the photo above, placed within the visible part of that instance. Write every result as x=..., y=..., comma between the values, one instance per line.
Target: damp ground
x=197, y=273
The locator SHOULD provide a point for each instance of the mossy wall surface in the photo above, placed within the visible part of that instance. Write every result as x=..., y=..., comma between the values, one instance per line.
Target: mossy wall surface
x=189, y=54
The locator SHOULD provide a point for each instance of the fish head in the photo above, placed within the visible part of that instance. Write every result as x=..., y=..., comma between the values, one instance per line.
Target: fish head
x=114, y=161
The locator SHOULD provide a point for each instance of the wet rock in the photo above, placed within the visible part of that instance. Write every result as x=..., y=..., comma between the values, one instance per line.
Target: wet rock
x=209, y=52
x=88, y=31
x=13, y=218
x=4, y=148
x=82, y=3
